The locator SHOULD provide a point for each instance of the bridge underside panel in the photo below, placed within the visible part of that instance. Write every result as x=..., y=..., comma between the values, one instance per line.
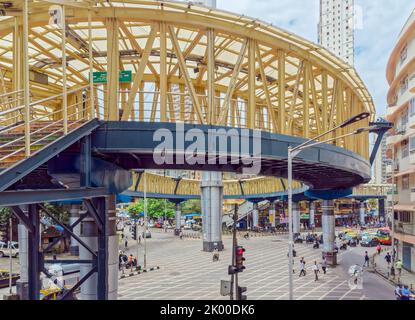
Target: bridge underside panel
x=131, y=145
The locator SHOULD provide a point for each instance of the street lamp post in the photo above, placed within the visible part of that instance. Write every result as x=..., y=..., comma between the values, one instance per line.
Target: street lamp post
x=292, y=153
x=145, y=221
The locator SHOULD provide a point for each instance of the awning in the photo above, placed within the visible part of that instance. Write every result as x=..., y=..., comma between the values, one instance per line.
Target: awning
x=403, y=207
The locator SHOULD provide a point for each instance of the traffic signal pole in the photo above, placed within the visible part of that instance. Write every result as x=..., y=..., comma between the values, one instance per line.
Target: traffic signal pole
x=234, y=277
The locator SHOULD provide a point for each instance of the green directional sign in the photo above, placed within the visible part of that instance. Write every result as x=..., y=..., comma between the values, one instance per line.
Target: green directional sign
x=101, y=77
x=126, y=76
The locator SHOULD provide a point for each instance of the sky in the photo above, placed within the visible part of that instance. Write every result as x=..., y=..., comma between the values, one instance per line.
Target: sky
x=381, y=23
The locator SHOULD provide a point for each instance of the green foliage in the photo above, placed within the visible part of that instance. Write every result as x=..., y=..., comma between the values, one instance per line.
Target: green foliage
x=5, y=214
x=59, y=212
x=156, y=208
x=373, y=203
x=191, y=206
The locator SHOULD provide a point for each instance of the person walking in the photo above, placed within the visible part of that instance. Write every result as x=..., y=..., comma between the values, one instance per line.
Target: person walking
x=126, y=242
x=366, y=263
x=378, y=248
x=139, y=239
x=324, y=265
x=302, y=267
x=388, y=259
x=181, y=234
x=316, y=270
x=398, y=267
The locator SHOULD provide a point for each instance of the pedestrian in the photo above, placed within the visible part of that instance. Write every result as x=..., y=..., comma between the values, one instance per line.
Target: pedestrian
x=181, y=234
x=316, y=270
x=378, y=248
x=302, y=267
x=126, y=242
x=398, y=267
x=139, y=239
x=388, y=259
x=324, y=265
x=366, y=259
x=405, y=293
x=131, y=261
x=398, y=291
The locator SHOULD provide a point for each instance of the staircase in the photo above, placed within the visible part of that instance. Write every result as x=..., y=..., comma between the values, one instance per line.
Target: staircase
x=12, y=139
x=243, y=211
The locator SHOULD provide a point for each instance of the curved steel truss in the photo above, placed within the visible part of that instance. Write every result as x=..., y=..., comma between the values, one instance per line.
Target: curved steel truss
x=189, y=63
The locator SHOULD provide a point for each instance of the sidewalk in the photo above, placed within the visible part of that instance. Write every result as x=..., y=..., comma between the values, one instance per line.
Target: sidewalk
x=381, y=267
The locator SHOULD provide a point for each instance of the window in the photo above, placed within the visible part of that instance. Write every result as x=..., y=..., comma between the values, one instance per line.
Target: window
x=405, y=216
x=404, y=118
x=412, y=107
x=412, y=144
x=404, y=85
x=405, y=149
x=405, y=182
x=404, y=54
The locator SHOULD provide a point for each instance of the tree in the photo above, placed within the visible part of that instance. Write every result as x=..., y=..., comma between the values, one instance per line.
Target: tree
x=156, y=208
x=191, y=206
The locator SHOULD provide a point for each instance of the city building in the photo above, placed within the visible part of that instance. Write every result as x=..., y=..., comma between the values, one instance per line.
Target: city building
x=336, y=28
x=401, y=111
x=379, y=174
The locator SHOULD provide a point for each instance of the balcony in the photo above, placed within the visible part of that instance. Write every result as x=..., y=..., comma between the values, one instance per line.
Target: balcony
x=405, y=228
x=413, y=195
x=412, y=157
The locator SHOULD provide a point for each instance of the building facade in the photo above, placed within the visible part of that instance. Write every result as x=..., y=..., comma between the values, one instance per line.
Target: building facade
x=401, y=111
x=336, y=28
x=379, y=174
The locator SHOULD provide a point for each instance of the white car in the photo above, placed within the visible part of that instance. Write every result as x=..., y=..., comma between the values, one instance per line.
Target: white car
x=5, y=249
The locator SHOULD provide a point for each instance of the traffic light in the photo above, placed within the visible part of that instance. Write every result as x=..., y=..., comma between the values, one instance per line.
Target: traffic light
x=232, y=270
x=239, y=293
x=239, y=254
x=134, y=232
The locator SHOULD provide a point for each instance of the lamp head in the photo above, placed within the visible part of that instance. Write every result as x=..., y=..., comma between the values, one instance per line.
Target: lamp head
x=354, y=119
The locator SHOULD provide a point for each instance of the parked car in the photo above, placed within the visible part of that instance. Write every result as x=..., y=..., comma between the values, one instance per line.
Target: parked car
x=158, y=225
x=5, y=249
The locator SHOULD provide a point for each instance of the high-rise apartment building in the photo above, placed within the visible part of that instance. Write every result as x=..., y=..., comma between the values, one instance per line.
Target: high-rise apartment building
x=379, y=174
x=400, y=74
x=336, y=28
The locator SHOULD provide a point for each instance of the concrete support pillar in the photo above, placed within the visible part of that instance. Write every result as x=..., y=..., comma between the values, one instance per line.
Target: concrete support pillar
x=212, y=206
x=381, y=206
x=90, y=235
x=74, y=216
x=296, y=217
x=272, y=214
x=178, y=218
x=22, y=285
x=328, y=224
x=255, y=216
x=312, y=214
x=362, y=213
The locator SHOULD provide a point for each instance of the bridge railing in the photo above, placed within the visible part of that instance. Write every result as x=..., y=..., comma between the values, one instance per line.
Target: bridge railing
x=46, y=123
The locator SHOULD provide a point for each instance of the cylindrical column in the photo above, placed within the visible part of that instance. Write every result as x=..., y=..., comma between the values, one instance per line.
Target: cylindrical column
x=112, y=249
x=272, y=214
x=255, y=216
x=296, y=217
x=89, y=234
x=212, y=206
x=74, y=216
x=362, y=213
x=328, y=224
x=312, y=214
x=22, y=285
x=178, y=218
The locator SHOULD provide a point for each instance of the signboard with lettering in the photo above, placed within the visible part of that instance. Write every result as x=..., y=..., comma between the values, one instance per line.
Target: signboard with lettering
x=101, y=77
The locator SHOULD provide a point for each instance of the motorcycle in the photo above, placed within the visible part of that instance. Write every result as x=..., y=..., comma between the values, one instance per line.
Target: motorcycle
x=343, y=246
x=316, y=245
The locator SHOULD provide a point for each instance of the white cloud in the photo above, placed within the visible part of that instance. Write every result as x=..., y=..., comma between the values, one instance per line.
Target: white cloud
x=382, y=22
